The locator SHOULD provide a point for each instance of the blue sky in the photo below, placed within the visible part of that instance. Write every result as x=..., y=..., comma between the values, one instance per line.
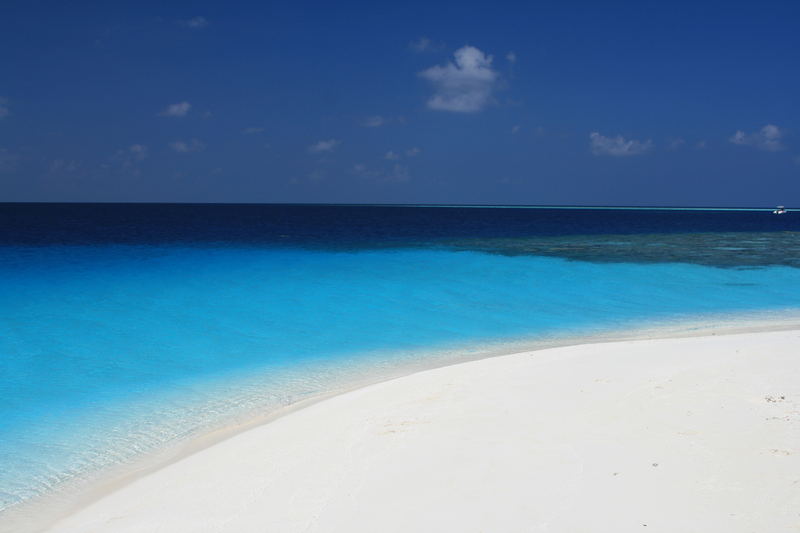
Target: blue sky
x=588, y=103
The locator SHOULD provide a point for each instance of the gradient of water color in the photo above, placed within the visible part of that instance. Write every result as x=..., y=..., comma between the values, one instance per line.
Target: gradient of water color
x=121, y=333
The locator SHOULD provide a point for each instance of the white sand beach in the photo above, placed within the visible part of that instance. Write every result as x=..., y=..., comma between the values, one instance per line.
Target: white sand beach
x=678, y=435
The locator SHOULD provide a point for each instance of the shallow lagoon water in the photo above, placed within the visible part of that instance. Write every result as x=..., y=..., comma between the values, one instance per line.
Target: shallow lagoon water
x=116, y=347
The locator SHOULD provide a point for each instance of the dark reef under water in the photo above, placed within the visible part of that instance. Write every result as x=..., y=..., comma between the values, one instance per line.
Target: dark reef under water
x=725, y=250
x=720, y=238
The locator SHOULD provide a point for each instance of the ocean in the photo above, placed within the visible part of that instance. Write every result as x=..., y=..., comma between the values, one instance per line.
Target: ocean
x=129, y=328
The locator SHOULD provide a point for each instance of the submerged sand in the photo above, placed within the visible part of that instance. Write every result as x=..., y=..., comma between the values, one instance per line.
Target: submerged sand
x=692, y=434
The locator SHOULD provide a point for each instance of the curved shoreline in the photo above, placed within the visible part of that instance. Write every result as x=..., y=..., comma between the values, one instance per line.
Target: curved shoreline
x=115, y=481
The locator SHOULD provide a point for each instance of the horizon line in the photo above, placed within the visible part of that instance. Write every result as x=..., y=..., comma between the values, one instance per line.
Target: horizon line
x=425, y=205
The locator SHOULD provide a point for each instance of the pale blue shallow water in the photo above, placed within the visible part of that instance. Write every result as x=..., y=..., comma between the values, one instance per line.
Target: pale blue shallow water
x=113, y=350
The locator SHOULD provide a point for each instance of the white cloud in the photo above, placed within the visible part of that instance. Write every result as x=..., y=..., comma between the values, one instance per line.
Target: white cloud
x=4, y=112
x=196, y=23
x=184, y=147
x=321, y=147
x=360, y=168
x=317, y=175
x=767, y=138
x=464, y=86
x=675, y=144
x=700, y=145
x=515, y=129
x=617, y=146
x=135, y=152
x=252, y=131
x=138, y=151
x=176, y=110
x=396, y=173
x=420, y=45
x=58, y=166
x=414, y=151
x=128, y=158
x=392, y=156
x=511, y=57
x=374, y=121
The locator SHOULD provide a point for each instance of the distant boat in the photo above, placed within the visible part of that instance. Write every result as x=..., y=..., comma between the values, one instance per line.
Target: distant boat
x=780, y=210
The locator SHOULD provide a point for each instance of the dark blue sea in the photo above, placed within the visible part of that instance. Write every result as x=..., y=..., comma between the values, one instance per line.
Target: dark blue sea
x=129, y=328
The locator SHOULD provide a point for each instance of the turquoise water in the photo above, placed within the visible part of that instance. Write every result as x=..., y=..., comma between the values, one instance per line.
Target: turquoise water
x=112, y=350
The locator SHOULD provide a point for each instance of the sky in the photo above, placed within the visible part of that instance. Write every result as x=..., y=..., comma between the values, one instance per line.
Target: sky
x=540, y=103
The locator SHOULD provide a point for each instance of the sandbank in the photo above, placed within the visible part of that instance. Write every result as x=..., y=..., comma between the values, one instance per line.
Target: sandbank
x=684, y=434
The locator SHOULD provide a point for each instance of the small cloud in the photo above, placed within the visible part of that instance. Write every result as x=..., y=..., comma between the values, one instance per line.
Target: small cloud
x=395, y=174
x=196, y=23
x=700, y=145
x=392, y=156
x=617, y=146
x=58, y=166
x=511, y=57
x=128, y=158
x=675, y=144
x=515, y=129
x=317, y=175
x=359, y=169
x=414, y=151
x=398, y=173
x=767, y=138
x=4, y=111
x=138, y=151
x=252, y=130
x=176, y=110
x=463, y=86
x=326, y=146
x=185, y=147
x=420, y=45
x=374, y=121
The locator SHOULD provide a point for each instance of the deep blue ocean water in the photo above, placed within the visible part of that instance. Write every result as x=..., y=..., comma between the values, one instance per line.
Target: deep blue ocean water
x=127, y=328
